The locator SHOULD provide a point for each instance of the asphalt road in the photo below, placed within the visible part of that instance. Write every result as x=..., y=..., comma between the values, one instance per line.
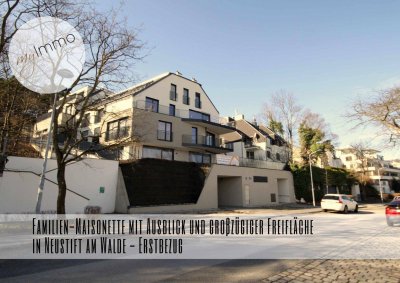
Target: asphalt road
x=179, y=270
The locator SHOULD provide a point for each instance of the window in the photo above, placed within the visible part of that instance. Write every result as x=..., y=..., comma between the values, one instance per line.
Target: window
x=348, y=158
x=96, y=135
x=199, y=158
x=197, y=102
x=164, y=132
x=85, y=120
x=85, y=135
x=171, y=110
x=273, y=197
x=172, y=93
x=194, y=135
x=99, y=116
x=69, y=109
x=250, y=154
x=278, y=156
x=157, y=153
x=186, y=96
x=260, y=179
x=117, y=129
x=152, y=104
x=199, y=115
x=268, y=154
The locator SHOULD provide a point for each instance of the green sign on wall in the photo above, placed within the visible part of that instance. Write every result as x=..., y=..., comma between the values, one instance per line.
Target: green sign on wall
x=102, y=189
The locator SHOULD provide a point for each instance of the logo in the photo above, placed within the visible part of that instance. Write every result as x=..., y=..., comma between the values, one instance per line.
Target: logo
x=46, y=55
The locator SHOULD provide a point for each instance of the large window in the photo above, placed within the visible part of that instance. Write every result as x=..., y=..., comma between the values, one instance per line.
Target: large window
x=199, y=115
x=152, y=104
x=172, y=93
x=197, y=102
x=186, y=96
x=199, y=158
x=117, y=129
x=157, y=153
x=164, y=131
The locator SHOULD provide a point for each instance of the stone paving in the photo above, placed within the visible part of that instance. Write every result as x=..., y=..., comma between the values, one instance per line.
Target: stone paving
x=357, y=271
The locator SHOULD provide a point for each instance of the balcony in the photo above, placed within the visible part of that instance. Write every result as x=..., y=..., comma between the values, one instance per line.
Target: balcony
x=263, y=164
x=207, y=143
x=192, y=117
x=117, y=134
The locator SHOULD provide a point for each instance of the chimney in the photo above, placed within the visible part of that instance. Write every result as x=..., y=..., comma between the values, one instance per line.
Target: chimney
x=239, y=117
x=254, y=121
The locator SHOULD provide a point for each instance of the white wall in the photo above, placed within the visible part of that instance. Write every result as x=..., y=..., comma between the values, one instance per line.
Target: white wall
x=18, y=191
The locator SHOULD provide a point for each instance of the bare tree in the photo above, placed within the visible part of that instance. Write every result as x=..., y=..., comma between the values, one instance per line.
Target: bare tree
x=112, y=49
x=282, y=107
x=382, y=111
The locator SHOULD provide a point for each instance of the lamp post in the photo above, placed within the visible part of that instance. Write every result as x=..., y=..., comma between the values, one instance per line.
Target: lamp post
x=380, y=184
x=64, y=73
x=311, y=176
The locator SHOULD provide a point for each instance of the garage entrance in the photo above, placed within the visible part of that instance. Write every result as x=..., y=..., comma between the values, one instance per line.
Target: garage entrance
x=230, y=191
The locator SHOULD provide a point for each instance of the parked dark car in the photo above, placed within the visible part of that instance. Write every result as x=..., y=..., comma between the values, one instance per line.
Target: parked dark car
x=393, y=212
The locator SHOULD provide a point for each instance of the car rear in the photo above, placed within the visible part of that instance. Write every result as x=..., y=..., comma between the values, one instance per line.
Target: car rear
x=332, y=202
x=393, y=213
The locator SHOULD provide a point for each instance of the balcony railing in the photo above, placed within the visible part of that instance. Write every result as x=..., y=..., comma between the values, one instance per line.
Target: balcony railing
x=206, y=141
x=180, y=113
x=117, y=134
x=263, y=164
x=164, y=135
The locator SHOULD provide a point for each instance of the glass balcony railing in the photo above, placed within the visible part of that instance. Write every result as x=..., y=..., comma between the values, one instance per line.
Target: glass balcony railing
x=163, y=109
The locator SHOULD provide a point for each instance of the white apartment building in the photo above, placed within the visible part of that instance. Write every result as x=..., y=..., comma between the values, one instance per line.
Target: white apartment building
x=381, y=172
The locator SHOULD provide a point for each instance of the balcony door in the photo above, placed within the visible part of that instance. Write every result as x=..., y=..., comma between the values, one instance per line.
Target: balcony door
x=210, y=139
x=194, y=135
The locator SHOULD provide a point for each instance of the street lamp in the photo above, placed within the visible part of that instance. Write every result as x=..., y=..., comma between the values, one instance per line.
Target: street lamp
x=380, y=183
x=64, y=73
x=311, y=176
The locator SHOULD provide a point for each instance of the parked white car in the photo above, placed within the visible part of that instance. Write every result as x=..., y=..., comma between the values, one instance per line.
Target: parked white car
x=338, y=202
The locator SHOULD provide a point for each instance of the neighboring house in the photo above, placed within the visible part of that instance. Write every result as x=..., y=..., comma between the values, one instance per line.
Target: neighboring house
x=373, y=165
x=256, y=144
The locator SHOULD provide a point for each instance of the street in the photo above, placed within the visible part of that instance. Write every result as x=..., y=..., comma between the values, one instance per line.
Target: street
x=219, y=270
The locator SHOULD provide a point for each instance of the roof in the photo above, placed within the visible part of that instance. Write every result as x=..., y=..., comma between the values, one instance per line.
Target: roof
x=138, y=88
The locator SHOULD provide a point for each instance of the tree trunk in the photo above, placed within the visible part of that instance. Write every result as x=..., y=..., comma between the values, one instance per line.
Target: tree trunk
x=62, y=189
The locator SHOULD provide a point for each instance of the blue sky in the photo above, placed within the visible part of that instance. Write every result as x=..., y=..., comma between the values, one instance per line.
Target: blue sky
x=325, y=52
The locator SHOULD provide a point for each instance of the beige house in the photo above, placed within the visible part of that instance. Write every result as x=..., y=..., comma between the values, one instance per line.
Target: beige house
x=171, y=117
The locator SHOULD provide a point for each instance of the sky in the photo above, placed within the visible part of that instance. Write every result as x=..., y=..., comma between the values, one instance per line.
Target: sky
x=325, y=52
